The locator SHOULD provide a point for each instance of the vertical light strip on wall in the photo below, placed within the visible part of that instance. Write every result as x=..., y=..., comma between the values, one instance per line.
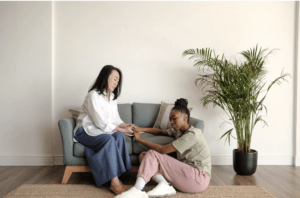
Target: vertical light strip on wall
x=296, y=89
x=52, y=77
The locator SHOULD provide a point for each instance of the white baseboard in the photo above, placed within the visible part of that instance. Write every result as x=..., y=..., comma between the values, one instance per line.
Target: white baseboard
x=297, y=161
x=215, y=160
x=26, y=161
x=31, y=161
x=220, y=160
x=262, y=160
x=58, y=160
x=275, y=160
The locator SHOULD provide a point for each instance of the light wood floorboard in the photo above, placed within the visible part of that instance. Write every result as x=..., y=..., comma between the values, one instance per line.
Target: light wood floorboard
x=281, y=181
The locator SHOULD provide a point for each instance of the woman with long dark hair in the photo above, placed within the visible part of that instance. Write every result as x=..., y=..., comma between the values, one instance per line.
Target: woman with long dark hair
x=100, y=129
x=190, y=172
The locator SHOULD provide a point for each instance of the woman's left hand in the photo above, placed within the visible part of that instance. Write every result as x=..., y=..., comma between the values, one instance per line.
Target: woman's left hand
x=128, y=130
x=137, y=135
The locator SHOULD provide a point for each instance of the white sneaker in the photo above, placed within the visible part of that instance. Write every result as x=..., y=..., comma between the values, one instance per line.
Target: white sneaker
x=162, y=189
x=133, y=193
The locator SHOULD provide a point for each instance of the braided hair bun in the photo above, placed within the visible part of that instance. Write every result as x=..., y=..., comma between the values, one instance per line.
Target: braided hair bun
x=181, y=106
x=181, y=102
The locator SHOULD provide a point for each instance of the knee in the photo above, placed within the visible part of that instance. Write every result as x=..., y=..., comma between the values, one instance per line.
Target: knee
x=148, y=155
x=142, y=155
x=151, y=153
x=111, y=139
x=119, y=136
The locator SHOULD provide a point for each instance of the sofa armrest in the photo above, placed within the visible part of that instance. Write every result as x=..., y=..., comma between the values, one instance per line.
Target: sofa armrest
x=197, y=123
x=66, y=127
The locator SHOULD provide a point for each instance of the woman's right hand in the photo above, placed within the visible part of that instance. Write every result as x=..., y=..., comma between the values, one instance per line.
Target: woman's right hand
x=128, y=129
x=136, y=128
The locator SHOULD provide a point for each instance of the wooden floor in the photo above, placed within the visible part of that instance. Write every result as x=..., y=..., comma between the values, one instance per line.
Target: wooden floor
x=281, y=181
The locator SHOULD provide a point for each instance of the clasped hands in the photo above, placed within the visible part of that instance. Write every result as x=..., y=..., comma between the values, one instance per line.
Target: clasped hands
x=132, y=128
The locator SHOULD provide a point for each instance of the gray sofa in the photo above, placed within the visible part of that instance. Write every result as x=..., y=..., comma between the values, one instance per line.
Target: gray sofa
x=140, y=114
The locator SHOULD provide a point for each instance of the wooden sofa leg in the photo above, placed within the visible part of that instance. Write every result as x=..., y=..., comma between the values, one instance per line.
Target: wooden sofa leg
x=70, y=169
x=67, y=174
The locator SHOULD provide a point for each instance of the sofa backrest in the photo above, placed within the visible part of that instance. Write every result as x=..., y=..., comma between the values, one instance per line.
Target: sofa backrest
x=125, y=112
x=140, y=114
x=144, y=114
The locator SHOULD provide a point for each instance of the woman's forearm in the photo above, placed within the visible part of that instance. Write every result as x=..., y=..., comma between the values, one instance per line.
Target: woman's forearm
x=152, y=130
x=169, y=148
x=119, y=129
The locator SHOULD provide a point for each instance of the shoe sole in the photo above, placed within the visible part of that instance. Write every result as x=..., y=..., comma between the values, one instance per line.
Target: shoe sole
x=139, y=196
x=165, y=195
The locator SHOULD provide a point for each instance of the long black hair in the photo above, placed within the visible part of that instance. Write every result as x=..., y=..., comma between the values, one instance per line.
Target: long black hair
x=181, y=106
x=101, y=82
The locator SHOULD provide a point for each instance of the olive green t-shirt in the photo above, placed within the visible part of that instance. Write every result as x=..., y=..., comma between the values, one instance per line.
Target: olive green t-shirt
x=192, y=148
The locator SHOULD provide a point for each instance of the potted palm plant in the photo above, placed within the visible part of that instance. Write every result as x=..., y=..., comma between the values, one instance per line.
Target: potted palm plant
x=237, y=87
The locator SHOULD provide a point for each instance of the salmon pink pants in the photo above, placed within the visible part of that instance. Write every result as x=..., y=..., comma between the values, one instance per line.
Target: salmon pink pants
x=182, y=176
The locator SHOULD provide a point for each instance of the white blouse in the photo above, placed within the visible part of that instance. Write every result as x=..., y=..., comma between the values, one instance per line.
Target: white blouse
x=98, y=115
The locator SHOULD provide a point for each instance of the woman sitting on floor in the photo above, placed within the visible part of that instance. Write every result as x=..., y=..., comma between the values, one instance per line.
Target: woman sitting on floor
x=190, y=173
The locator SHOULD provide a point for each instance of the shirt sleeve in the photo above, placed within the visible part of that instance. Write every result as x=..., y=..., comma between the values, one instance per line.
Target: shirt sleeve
x=93, y=107
x=185, y=142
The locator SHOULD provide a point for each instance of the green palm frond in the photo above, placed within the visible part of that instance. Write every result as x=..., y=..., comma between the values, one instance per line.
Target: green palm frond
x=235, y=87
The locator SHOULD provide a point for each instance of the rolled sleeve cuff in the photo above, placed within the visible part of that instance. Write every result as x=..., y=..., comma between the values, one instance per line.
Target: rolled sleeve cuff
x=177, y=146
x=119, y=122
x=110, y=127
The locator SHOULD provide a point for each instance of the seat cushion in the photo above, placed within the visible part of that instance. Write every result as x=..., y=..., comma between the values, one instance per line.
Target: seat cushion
x=125, y=112
x=137, y=147
x=145, y=114
x=79, y=148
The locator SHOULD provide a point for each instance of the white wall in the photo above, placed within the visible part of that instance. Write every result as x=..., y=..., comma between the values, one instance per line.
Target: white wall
x=297, y=88
x=145, y=40
x=25, y=81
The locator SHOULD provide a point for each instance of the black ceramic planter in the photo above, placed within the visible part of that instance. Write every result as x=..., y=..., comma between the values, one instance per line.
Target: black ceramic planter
x=244, y=163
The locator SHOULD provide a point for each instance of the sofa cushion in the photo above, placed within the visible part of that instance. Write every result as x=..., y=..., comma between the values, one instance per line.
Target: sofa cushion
x=137, y=147
x=144, y=114
x=125, y=112
x=78, y=149
x=197, y=123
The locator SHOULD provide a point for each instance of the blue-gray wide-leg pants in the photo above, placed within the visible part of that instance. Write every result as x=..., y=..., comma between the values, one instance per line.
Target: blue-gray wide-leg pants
x=107, y=155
